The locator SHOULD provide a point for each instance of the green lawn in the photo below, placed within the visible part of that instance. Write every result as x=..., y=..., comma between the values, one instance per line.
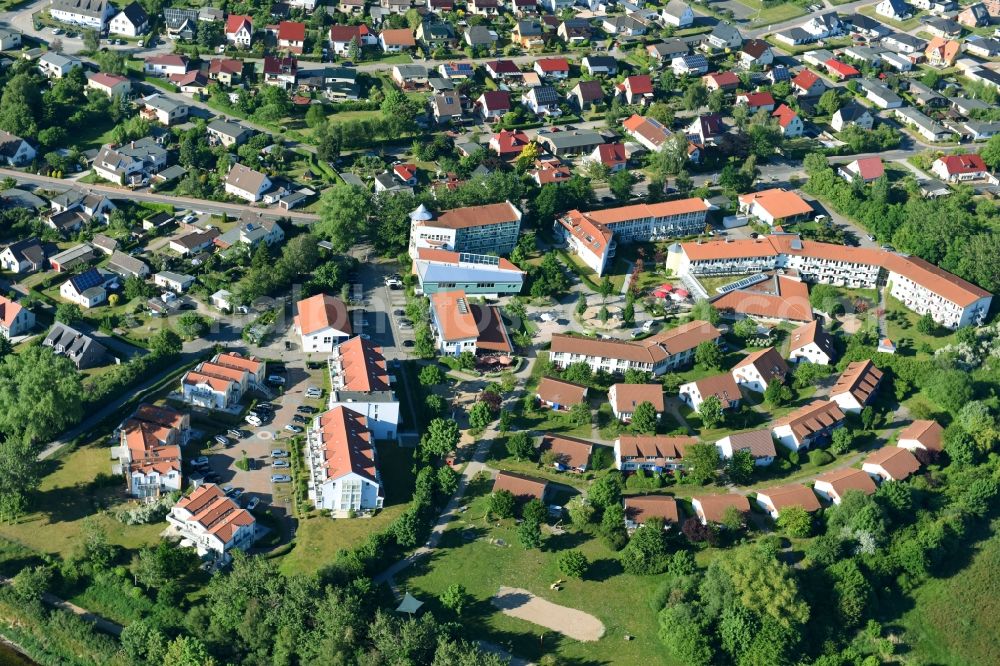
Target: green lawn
x=956, y=619
x=468, y=556
x=69, y=494
x=903, y=330
x=907, y=25
x=777, y=14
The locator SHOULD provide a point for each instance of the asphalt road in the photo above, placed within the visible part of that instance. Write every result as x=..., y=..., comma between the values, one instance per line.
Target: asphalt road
x=215, y=207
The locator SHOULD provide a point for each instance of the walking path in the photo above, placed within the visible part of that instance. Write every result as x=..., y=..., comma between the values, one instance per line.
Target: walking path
x=102, y=623
x=476, y=464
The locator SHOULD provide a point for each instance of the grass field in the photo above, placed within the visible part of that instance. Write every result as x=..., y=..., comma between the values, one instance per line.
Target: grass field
x=956, y=620
x=469, y=555
x=67, y=496
x=769, y=15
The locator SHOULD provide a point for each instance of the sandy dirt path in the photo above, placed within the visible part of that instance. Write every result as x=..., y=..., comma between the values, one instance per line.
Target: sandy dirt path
x=567, y=621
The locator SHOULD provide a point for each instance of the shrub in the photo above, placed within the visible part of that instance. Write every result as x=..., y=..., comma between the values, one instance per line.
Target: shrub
x=819, y=457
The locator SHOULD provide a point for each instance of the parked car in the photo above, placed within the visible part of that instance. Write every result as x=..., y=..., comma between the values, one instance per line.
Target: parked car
x=393, y=283
x=407, y=343
x=399, y=313
x=298, y=418
x=281, y=464
x=306, y=409
x=237, y=492
x=279, y=453
x=314, y=393
x=212, y=477
x=222, y=439
x=200, y=461
x=280, y=478
x=228, y=490
x=276, y=380
x=235, y=434
x=254, y=420
x=294, y=428
x=266, y=406
x=405, y=324
x=252, y=504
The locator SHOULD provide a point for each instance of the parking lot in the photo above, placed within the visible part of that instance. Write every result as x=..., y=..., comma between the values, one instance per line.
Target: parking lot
x=379, y=303
x=257, y=443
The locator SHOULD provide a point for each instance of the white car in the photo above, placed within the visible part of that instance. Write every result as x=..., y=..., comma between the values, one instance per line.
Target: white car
x=254, y=420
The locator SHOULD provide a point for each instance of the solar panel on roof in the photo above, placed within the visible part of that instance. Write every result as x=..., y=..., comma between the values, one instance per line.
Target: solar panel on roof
x=483, y=259
x=87, y=279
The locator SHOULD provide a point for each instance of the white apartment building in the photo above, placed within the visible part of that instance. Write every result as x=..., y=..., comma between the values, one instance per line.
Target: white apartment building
x=360, y=381
x=594, y=236
x=343, y=466
x=211, y=523
x=87, y=13
x=920, y=286
x=664, y=351
x=490, y=229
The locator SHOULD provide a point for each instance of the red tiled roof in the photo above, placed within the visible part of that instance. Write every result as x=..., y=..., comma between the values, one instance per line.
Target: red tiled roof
x=569, y=451
x=805, y=79
x=754, y=99
x=928, y=433
x=778, y=202
x=860, y=379
x=724, y=79
x=959, y=164
x=236, y=21
x=559, y=392
x=870, y=168
x=398, y=37
x=292, y=31
x=611, y=154
x=842, y=480
x=784, y=115
x=107, y=80
x=520, y=486
x=643, y=507
x=549, y=65
x=792, y=494
x=509, y=142
x=812, y=418
x=640, y=84
x=347, y=444
x=628, y=396
x=897, y=462
x=322, y=311
x=345, y=33
x=713, y=507
x=841, y=68
x=776, y=298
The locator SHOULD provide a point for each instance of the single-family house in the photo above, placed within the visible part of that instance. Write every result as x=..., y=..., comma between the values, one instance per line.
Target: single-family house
x=239, y=30
x=611, y=155
x=689, y=65
x=890, y=463
x=713, y=508
x=922, y=436
x=942, y=52
x=522, y=487
x=322, y=322
x=723, y=37
x=111, y=85
x=85, y=289
x=755, y=53
x=15, y=151
x=867, y=169
x=777, y=499
x=624, y=398
x=291, y=36
x=56, y=65
x=960, y=168
x=788, y=121
x=569, y=453
x=758, y=369
x=24, y=256
x=756, y=101
x=542, y=101
x=852, y=114
x=246, y=183
x=493, y=104
x=721, y=386
x=640, y=508
x=856, y=386
x=164, y=110
x=774, y=206
x=15, y=319
x=833, y=485
x=585, y=94
x=897, y=10
x=758, y=443
x=678, y=14
x=83, y=350
x=808, y=84
x=552, y=68
x=725, y=81
x=131, y=21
